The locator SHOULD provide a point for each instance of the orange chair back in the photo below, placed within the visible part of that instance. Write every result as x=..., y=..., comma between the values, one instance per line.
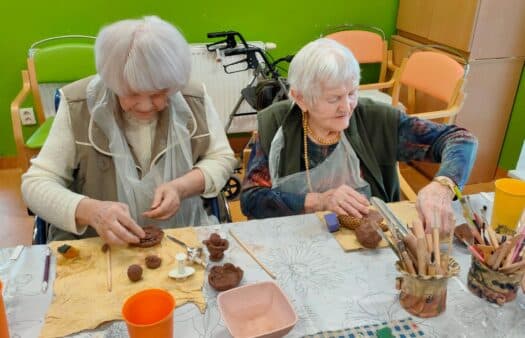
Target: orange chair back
x=433, y=73
x=367, y=47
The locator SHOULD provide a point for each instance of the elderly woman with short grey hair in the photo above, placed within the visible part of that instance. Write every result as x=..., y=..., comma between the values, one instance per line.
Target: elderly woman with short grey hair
x=133, y=145
x=326, y=149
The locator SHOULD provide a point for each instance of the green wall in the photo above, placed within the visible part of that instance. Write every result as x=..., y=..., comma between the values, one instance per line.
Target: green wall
x=289, y=24
x=515, y=131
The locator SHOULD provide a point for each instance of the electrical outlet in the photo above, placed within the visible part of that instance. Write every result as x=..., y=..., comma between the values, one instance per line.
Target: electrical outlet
x=27, y=116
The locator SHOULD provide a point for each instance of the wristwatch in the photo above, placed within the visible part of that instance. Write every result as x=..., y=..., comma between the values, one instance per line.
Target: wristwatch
x=447, y=182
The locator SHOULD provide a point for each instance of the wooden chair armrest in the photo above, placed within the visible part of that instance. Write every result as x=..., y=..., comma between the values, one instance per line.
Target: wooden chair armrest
x=379, y=85
x=15, y=120
x=451, y=112
x=405, y=188
x=22, y=94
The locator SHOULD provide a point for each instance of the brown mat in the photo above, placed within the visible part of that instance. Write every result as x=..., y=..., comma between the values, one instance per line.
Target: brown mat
x=81, y=300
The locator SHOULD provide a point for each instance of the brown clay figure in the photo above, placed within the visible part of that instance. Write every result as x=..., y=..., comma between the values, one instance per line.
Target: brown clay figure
x=216, y=246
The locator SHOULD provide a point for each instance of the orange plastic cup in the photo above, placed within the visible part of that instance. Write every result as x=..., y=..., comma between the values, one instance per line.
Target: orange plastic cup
x=4, y=328
x=149, y=313
x=509, y=201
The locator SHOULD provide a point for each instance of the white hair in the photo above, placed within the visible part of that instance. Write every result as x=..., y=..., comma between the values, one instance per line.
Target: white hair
x=148, y=54
x=320, y=63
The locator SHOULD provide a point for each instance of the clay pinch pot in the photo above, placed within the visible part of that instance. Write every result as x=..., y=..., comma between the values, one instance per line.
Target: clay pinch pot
x=154, y=236
x=494, y=286
x=225, y=277
x=216, y=246
x=424, y=296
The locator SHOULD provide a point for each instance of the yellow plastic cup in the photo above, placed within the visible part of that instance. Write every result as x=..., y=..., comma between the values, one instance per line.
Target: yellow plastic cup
x=149, y=313
x=509, y=202
x=4, y=327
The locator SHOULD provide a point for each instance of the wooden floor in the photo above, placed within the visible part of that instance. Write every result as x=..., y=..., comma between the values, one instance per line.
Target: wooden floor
x=17, y=226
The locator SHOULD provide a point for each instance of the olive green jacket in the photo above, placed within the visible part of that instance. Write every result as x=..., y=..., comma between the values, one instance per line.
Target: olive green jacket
x=372, y=132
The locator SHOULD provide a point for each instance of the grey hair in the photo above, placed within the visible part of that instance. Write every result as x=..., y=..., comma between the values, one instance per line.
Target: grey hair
x=148, y=54
x=320, y=63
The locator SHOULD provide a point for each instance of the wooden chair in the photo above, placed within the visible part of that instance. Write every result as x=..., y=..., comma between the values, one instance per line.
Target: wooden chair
x=51, y=63
x=369, y=46
x=435, y=74
x=438, y=76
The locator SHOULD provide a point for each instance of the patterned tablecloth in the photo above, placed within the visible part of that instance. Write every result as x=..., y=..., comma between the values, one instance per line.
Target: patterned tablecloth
x=329, y=289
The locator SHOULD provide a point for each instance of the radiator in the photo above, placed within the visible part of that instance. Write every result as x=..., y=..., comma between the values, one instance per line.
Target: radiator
x=224, y=89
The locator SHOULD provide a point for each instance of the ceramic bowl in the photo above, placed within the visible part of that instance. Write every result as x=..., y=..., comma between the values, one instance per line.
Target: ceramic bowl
x=257, y=310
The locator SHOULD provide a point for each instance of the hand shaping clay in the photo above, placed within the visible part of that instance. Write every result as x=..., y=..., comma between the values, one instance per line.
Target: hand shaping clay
x=154, y=235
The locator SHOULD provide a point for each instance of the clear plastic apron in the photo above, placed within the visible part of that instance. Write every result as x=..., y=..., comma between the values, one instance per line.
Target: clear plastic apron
x=340, y=167
x=176, y=161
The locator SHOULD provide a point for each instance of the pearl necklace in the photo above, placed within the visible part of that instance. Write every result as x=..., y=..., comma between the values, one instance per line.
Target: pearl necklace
x=306, y=160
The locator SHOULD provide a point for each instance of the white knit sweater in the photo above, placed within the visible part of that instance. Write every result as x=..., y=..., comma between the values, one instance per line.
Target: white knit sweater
x=44, y=186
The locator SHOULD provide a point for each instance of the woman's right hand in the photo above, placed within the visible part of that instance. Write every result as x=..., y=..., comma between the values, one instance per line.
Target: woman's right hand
x=344, y=200
x=111, y=220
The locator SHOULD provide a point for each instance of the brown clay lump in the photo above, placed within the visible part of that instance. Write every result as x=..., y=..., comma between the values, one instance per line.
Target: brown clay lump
x=154, y=235
x=153, y=261
x=225, y=277
x=105, y=247
x=366, y=232
x=134, y=272
x=367, y=235
x=216, y=246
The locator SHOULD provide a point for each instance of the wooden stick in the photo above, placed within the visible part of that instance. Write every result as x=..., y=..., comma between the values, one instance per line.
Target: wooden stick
x=429, y=242
x=492, y=237
x=510, y=253
x=109, y=273
x=500, y=254
x=252, y=255
x=437, y=253
x=446, y=257
x=513, y=266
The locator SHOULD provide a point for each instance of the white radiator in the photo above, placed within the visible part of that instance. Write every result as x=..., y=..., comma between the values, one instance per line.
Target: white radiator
x=224, y=89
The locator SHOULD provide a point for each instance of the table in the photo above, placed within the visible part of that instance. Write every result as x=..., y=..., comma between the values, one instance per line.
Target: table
x=329, y=289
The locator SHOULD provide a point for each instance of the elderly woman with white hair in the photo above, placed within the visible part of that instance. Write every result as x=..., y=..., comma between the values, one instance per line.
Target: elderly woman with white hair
x=328, y=150
x=133, y=145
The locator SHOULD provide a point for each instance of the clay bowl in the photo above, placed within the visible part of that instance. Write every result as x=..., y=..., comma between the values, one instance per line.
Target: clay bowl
x=256, y=311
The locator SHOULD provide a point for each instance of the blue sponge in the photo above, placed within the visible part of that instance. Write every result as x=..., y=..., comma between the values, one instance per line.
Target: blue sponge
x=332, y=222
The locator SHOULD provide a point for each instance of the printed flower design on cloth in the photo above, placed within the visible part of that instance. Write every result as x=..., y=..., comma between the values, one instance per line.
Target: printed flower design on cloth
x=293, y=263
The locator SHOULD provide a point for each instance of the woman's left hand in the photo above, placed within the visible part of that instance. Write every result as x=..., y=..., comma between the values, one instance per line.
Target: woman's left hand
x=166, y=201
x=434, y=206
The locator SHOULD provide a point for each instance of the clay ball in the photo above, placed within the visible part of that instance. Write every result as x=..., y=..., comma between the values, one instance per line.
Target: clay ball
x=153, y=261
x=105, y=247
x=134, y=272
